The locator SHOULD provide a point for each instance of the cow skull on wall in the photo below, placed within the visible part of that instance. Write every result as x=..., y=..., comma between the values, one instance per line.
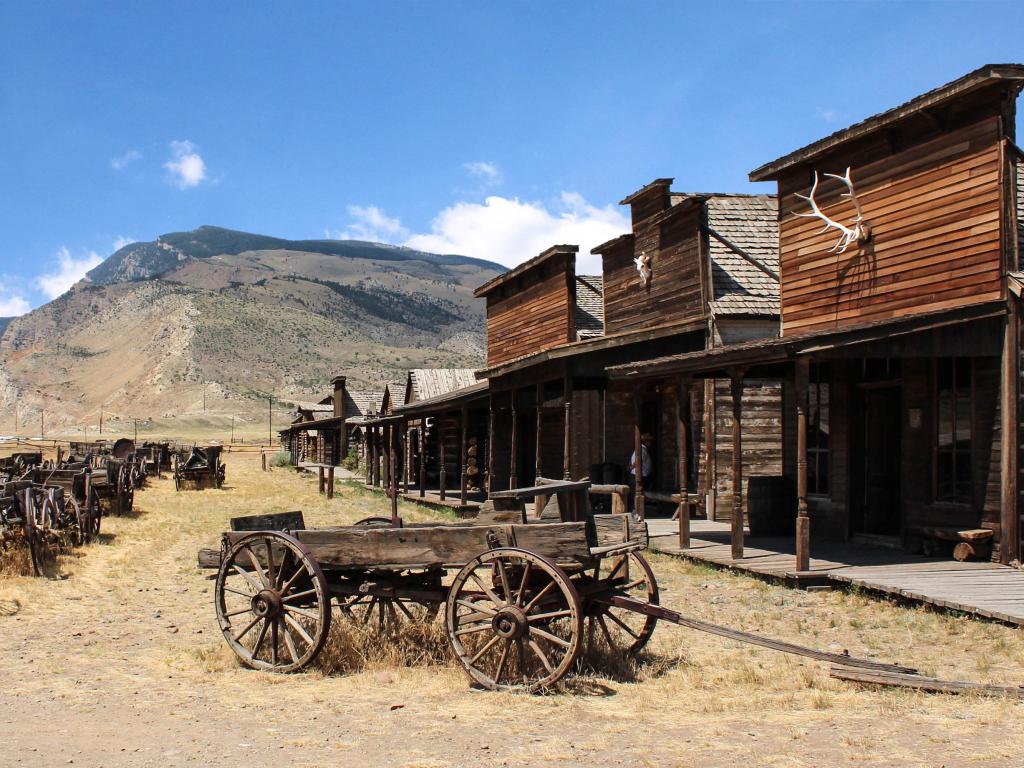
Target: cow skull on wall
x=859, y=232
x=643, y=267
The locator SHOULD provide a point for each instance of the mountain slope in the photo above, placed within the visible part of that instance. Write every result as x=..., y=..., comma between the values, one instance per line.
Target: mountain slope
x=240, y=317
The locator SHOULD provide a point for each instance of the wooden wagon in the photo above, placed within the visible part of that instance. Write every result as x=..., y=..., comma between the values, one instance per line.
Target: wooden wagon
x=79, y=497
x=201, y=468
x=523, y=599
x=42, y=517
x=112, y=484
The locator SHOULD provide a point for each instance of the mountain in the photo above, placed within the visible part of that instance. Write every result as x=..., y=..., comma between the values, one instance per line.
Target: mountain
x=240, y=317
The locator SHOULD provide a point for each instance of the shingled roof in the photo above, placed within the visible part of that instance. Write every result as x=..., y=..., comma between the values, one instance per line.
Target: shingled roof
x=396, y=391
x=589, y=306
x=432, y=382
x=362, y=402
x=743, y=238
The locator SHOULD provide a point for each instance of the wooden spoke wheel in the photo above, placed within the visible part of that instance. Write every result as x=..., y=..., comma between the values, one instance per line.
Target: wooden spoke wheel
x=73, y=522
x=619, y=630
x=93, y=516
x=273, y=603
x=514, y=620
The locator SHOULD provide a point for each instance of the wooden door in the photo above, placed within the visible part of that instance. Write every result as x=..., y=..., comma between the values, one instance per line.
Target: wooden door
x=877, y=502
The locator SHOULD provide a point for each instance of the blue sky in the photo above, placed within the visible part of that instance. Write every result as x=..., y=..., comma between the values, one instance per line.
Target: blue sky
x=491, y=129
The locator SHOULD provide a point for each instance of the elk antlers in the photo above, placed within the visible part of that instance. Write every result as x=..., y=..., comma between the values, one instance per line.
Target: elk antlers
x=860, y=232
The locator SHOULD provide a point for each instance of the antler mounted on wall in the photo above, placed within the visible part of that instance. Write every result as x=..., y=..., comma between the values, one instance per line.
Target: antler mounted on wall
x=860, y=232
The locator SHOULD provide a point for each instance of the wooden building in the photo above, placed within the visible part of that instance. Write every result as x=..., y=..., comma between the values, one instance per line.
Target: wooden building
x=323, y=433
x=899, y=339
x=697, y=270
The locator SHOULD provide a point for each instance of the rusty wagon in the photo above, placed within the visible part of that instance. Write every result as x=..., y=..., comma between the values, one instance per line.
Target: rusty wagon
x=522, y=599
x=201, y=468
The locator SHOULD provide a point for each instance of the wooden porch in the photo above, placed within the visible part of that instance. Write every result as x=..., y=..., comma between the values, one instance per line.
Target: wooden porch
x=983, y=589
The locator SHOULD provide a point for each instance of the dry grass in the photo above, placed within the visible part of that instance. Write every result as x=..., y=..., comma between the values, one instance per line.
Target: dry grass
x=15, y=558
x=693, y=699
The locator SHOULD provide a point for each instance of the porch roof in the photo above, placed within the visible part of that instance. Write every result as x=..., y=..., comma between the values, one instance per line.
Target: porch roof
x=455, y=398
x=786, y=348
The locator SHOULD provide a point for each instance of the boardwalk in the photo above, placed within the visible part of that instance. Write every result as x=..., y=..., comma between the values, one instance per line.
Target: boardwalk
x=984, y=589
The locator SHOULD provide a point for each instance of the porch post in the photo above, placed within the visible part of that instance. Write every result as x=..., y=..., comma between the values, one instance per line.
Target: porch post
x=638, y=477
x=388, y=431
x=443, y=473
x=513, y=476
x=736, y=390
x=406, y=455
x=422, y=436
x=463, y=491
x=537, y=465
x=1009, y=535
x=567, y=436
x=392, y=474
x=682, y=427
x=490, y=444
x=366, y=454
x=803, y=522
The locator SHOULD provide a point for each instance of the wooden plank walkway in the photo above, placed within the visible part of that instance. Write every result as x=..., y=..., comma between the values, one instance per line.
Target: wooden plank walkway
x=983, y=589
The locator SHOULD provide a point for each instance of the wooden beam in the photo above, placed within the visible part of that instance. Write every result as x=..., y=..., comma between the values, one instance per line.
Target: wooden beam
x=803, y=522
x=443, y=470
x=366, y=455
x=736, y=390
x=682, y=428
x=638, y=477
x=330, y=482
x=567, y=432
x=513, y=477
x=421, y=434
x=388, y=431
x=464, y=479
x=538, y=470
x=490, y=444
x=406, y=456
x=393, y=475
x=1009, y=538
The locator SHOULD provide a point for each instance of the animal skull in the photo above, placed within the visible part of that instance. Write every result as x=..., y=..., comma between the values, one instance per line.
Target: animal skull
x=860, y=232
x=643, y=267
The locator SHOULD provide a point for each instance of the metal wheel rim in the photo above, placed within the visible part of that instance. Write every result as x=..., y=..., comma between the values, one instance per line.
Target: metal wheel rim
x=293, y=574
x=513, y=620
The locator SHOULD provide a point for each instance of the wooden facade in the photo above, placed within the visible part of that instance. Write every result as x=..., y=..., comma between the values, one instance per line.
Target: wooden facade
x=899, y=354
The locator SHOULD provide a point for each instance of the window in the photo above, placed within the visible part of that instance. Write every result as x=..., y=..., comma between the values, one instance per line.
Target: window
x=953, y=430
x=817, y=431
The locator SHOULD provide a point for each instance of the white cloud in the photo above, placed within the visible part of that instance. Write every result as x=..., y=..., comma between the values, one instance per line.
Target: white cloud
x=12, y=305
x=510, y=231
x=121, y=241
x=370, y=223
x=489, y=173
x=121, y=161
x=186, y=166
x=828, y=114
x=69, y=271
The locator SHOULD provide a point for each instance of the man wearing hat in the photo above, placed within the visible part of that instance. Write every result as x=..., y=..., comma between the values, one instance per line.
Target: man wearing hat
x=646, y=465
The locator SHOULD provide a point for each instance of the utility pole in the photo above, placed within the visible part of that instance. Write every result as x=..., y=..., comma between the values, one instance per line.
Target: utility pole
x=136, y=431
x=102, y=405
x=205, y=384
x=15, y=419
x=232, y=430
x=270, y=419
x=42, y=423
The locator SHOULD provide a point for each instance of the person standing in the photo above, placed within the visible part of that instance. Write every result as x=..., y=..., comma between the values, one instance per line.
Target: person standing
x=646, y=465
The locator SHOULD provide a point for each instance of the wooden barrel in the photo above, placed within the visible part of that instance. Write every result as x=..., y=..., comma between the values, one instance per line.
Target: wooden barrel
x=771, y=505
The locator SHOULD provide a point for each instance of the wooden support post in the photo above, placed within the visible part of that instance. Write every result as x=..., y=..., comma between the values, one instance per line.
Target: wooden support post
x=386, y=446
x=538, y=466
x=490, y=444
x=442, y=475
x=1010, y=513
x=736, y=389
x=464, y=479
x=392, y=475
x=263, y=457
x=320, y=479
x=567, y=436
x=513, y=476
x=682, y=428
x=406, y=456
x=422, y=435
x=366, y=455
x=710, y=451
x=803, y=522
x=638, y=461
x=330, y=482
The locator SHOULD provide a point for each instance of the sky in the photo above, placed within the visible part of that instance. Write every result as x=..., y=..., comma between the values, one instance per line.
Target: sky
x=481, y=128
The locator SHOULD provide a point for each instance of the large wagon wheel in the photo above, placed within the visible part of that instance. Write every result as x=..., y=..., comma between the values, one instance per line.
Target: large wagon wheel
x=374, y=522
x=38, y=531
x=273, y=603
x=125, y=490
x=73, y=522
x=620, y=630
x=514, y=620
x=93, y=516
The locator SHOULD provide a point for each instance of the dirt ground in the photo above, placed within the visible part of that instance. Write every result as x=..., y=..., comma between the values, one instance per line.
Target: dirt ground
x=121, y=663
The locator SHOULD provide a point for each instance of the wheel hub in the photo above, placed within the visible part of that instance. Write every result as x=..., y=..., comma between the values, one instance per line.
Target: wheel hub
x=510, y=622
x=267, y=604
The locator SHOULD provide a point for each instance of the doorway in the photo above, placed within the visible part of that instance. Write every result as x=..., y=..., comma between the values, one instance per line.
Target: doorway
x=875, y=490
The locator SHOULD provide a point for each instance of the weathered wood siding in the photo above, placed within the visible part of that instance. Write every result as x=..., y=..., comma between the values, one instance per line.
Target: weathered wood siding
x=934, y=210
x=761, y=434
x=675, y=292
x=533, y=319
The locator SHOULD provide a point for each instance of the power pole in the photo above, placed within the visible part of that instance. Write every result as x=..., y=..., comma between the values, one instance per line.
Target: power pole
x=232, y=430
x=270, y=419
x=101, y=418
x=136, y=431
x=42, y=424
x=205, y=384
